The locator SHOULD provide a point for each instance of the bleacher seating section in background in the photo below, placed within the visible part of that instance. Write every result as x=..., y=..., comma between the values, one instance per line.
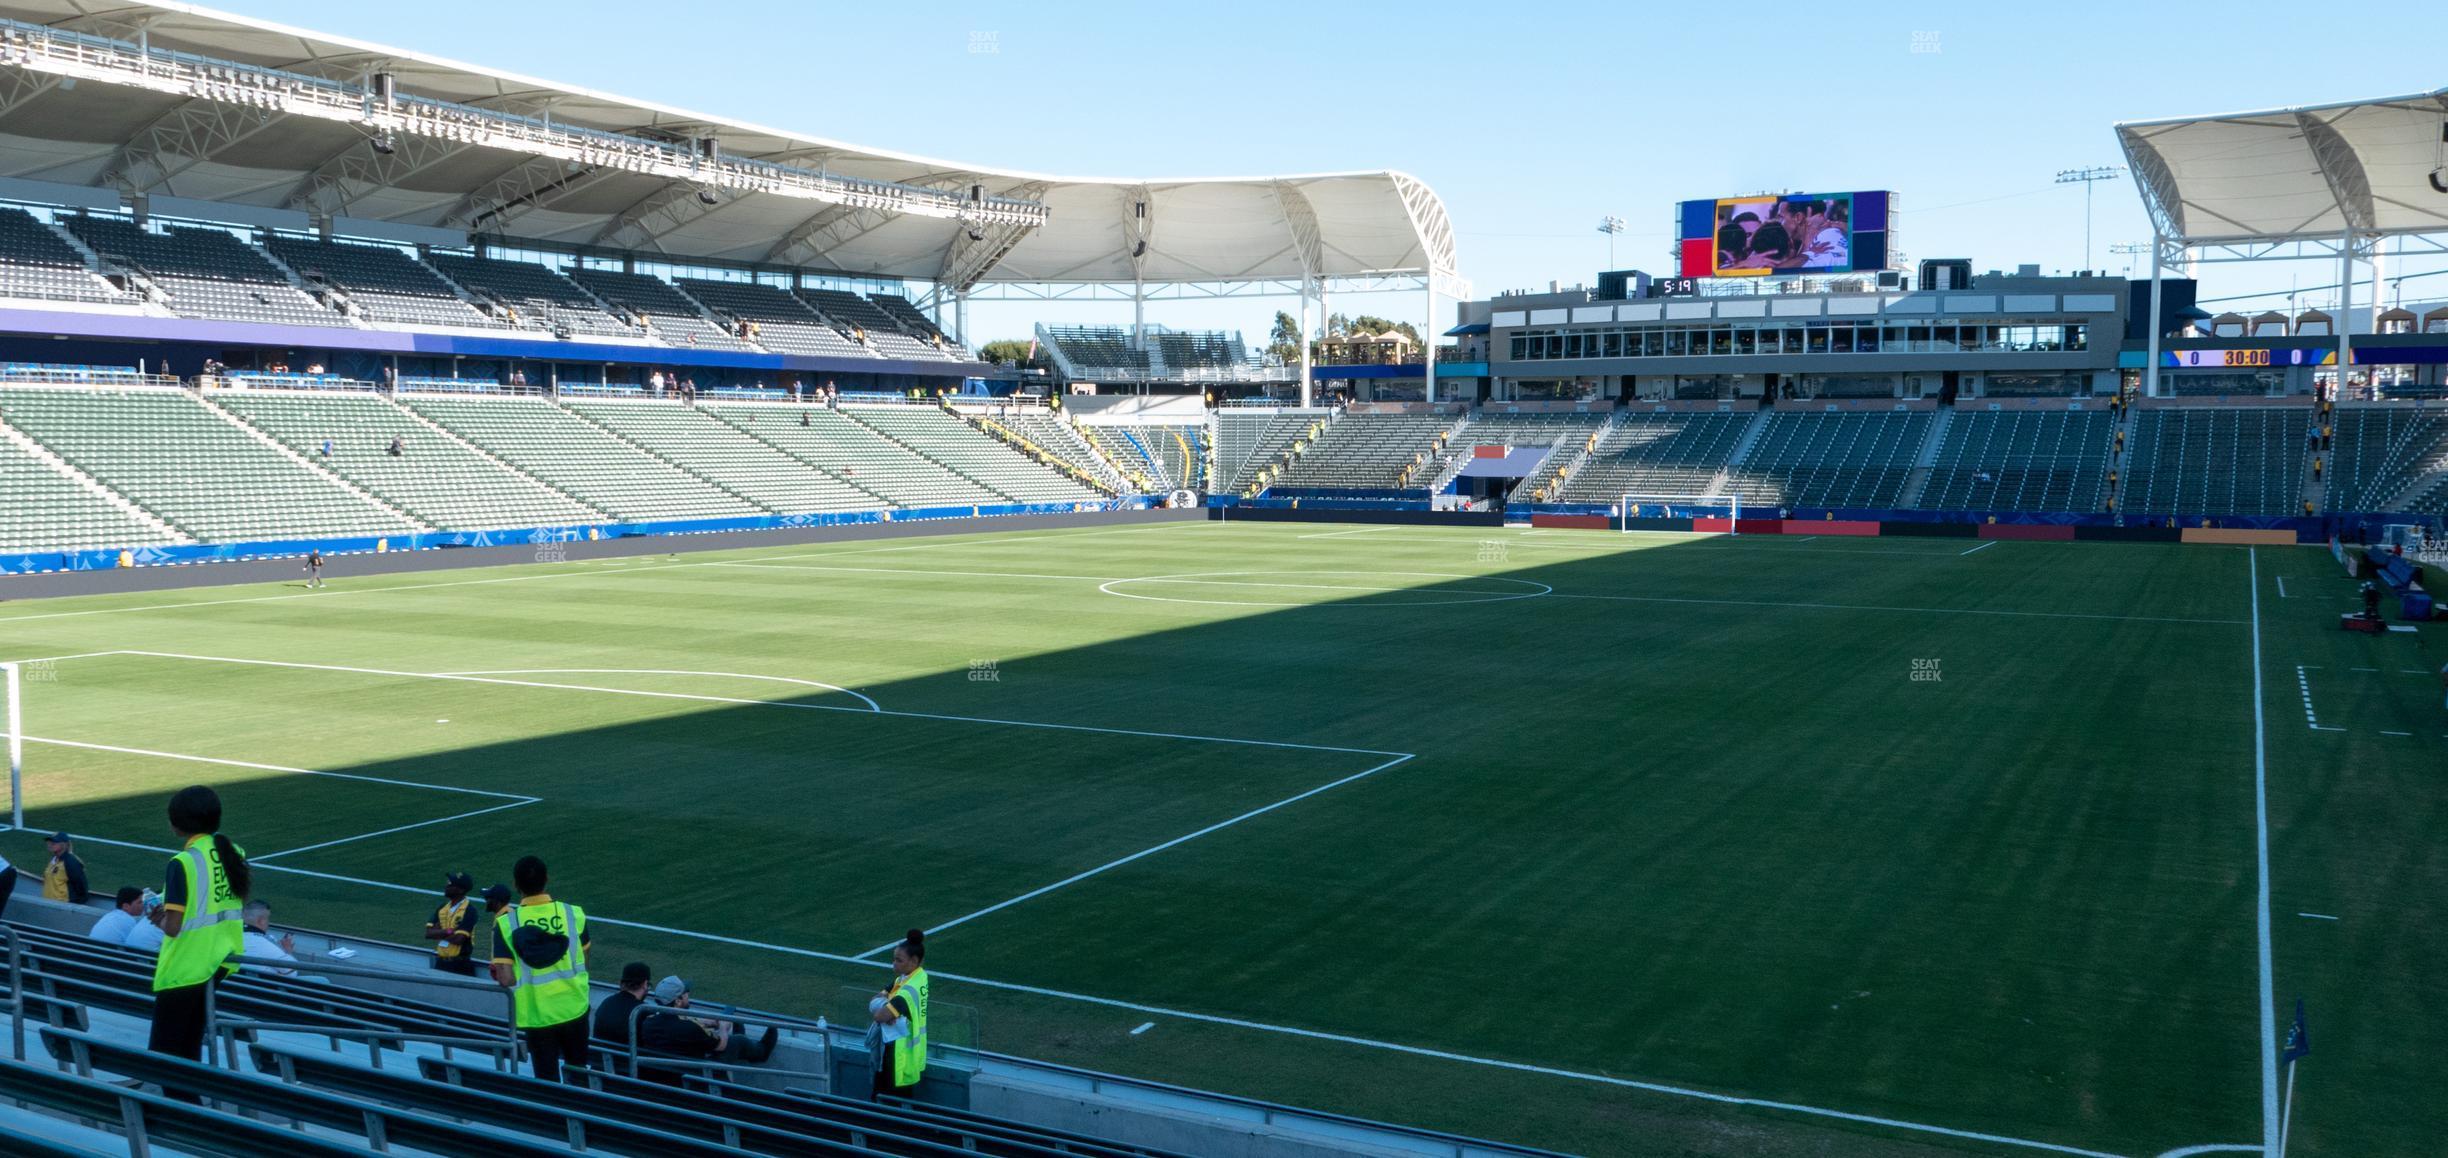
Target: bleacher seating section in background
x=204, y=272
x=171, y=454
x=844, y=308
x=1055, y=435
x=1247, y=443
x=1099, y=351
x=1168, y=457
x=1200, y=350
x=971, y=453
x=720, y=453
x=1565, y=432
x=36, y=262
x=1851, y=460
x=582, y=459
x=2379, y=452
x=386, y=286
x=2201, y=460
x=435, y=477
x=2035, y=460
x=782, y=323
x=1368, y=450
x=668, y=312
x=911, y=318
x=49, y=511
x=1656, y=454
x=851, y=450
x=536, y=294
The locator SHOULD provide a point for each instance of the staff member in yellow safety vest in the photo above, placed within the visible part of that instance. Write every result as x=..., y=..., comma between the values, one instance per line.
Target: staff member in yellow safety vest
x=199, y=919
x=539, y=952
x=454, y=927
x=901, y=1011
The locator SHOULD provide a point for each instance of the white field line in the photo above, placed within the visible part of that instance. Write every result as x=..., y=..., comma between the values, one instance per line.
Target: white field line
x=2269, y=988
x=818, y=567
x=510, y=796
x=1977, y=550
x=1904, y=610
x=1554, y=595
x=332, y=592
x=2303, y=684
x=2282, y=594
x=483, y=679
x=1340, y=534
x=871, y=704
x=1144, y=1026
x=2215, y=1148
x=388, y=831
x=2317, y=916
x=1286, y=744
x=1003, y=540
x=1160, y=1012
x=938, y=927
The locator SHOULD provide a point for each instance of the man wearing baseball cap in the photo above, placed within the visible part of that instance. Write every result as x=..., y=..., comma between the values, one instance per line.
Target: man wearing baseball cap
x=453, y=928
x=64, y=875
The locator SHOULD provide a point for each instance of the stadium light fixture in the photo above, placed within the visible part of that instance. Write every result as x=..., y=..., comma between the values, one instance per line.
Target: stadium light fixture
x=1610, y=225
x=709, y=197
x=2087, y=178
x=383, y=144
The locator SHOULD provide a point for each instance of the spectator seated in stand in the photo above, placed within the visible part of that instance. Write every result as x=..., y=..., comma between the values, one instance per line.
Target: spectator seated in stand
x=257, y=917
x=144, y=936
x=673, y=1035
x=123, y=917
x=612, y=1017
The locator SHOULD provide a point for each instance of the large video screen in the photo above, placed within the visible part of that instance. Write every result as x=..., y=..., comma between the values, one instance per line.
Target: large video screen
x=1784, y=233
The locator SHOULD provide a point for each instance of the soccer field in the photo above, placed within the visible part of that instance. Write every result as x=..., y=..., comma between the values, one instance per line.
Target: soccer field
x=1611, y=843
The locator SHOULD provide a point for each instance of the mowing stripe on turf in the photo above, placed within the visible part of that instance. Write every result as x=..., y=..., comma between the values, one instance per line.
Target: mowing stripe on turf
x=2269, y=987
x=937, y=928
x=511, y=796
x=766, y=703
x=1904, y=610
x=1256, y=1026
x=388, y=831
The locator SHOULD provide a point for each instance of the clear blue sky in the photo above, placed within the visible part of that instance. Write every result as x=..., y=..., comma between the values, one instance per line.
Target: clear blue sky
x=1531, y=120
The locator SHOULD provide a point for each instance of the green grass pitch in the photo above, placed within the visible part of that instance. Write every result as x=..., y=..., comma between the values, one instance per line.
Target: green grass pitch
x=1610, y=843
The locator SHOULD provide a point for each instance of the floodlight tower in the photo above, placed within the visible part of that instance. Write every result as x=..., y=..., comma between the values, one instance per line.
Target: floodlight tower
x=1610, y=225
x=2127, y=249
x=2087, y=178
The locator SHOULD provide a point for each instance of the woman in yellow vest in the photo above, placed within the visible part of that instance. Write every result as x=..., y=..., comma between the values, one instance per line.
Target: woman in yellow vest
x=199, y=919
x=901, y=1012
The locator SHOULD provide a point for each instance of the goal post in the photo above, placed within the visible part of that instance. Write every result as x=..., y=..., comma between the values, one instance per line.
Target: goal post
x=1643, y=506
x=16, y=746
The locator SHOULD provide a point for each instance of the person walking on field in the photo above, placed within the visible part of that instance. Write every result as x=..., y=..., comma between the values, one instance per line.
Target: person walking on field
x=539, y=954
x=314, y=568
x=203, y=897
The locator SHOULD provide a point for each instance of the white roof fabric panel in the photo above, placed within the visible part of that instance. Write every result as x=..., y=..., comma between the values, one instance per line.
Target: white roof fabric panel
x=2367, y=167
x=1285, y=228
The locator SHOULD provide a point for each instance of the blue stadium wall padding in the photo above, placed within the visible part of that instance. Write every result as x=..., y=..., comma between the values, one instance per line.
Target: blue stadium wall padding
x=40, y=561
x=1246, y=512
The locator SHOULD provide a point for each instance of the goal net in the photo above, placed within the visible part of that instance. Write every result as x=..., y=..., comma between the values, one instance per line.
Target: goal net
x=1633, y=507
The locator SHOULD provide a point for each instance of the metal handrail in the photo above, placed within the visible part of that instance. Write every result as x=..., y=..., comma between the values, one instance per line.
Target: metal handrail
x=16, y=990
x=222, y=1030
x=730, y=1013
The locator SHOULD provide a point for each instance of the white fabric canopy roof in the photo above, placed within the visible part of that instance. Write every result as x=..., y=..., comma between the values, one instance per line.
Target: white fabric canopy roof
x=2367, y=167
x=1320, y=226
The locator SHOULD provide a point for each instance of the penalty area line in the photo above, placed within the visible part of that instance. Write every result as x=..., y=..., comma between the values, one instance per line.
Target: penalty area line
x=1108, y=866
